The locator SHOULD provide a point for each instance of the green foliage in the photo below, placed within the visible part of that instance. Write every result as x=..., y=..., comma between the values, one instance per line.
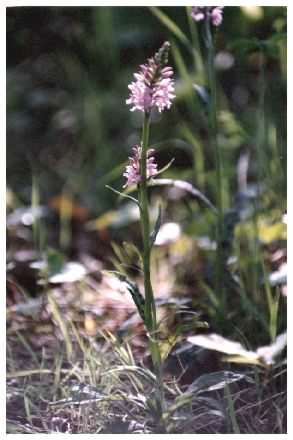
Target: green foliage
x=55, y=262
x=69, y=128
x=134, y=291
x=156, y=227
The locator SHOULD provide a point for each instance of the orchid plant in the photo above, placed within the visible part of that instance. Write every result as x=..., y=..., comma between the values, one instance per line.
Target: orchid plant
x=213, y=16
x=152, y=89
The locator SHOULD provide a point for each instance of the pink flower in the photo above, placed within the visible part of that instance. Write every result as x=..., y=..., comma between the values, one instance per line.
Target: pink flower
x=213, y=13
x=198, y=13
x=141, y=97
x=217, y=15
x=132, y=172
x=163, y=94
x=153, y=85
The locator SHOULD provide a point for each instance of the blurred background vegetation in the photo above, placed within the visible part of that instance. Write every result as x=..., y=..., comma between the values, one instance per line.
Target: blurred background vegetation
x=69, y=130
x=67, y=76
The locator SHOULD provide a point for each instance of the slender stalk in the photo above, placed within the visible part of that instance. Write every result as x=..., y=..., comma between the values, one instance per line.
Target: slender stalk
x=260, y=160
x=213, y=138
x=150, y=311
x=197, y=54
x=150, y=308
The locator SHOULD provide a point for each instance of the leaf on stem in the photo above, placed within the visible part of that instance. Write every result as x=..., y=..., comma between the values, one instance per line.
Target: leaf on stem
x=134, y=291
x=182, y=184
x=126, y=196
x=165, y=168
x=156, y=227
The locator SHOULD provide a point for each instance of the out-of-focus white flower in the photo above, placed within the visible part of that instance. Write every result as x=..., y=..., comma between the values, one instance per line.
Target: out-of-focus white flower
x=168, y=233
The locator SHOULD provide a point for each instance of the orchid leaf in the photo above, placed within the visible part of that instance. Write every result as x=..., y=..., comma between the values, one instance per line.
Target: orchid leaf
x=156, y=227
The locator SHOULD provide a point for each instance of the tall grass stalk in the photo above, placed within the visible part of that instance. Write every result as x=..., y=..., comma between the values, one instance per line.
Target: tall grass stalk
x=150, y=307
x=38, y=227
x=66, y=207
x=231, y=411
x=213, y=127
x=260, y=160
x=197, y=55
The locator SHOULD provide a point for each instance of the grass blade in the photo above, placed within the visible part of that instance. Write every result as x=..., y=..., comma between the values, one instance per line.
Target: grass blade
x=173, y=28
x=62, y=324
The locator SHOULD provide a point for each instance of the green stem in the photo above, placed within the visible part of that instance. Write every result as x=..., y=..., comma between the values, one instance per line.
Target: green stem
x=150, y=311
x=213, y=136
x=260, y=138
x=260, y=160
x=150, y=307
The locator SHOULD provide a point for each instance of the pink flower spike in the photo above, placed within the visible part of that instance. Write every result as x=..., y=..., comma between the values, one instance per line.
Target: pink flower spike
x=217, y=15
x=140, y=97
x=197, y=13
x=132, y=172
x=153, y=86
